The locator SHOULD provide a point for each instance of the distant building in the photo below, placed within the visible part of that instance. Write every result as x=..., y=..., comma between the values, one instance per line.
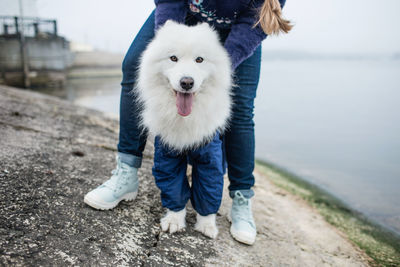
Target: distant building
x=32, y=54
x=80, y=47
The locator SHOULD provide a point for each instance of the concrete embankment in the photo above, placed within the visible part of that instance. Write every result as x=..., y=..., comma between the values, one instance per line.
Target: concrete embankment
x=95, y=64
x=52, y=153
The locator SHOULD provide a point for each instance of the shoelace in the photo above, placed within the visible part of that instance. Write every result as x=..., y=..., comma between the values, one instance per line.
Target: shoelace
x=243, y=210
x=117, y=177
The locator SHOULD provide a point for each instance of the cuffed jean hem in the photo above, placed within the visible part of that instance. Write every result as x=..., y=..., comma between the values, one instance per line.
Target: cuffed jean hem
x=247, y=193
x=131, y=160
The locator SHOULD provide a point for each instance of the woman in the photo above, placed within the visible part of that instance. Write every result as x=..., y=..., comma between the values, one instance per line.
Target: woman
x=242, y=26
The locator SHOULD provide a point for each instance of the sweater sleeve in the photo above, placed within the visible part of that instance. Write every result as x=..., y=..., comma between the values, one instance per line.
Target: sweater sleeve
x=169, y=10
x=243, y=38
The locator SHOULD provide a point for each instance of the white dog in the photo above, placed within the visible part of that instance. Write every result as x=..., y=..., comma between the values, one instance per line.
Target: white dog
x=184, y=86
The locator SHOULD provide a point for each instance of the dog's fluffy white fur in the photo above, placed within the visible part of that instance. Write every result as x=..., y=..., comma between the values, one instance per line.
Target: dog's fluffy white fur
x=175, y=221
x=159, y=81
x=172, y=55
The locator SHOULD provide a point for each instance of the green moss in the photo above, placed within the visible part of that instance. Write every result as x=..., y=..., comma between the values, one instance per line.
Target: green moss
x=381, y=245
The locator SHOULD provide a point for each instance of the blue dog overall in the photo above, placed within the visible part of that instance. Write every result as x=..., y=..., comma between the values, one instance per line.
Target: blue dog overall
x=208, y=169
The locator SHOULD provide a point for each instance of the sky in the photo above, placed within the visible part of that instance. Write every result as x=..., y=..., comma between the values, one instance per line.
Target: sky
x=321, y=26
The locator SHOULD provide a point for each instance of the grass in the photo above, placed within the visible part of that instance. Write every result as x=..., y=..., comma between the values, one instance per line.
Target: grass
x=378, y=243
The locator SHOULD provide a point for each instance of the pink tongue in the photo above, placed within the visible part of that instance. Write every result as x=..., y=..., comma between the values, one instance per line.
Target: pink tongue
x=184, y=103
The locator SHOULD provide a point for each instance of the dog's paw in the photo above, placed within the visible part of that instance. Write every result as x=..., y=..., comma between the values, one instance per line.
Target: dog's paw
x=206, y=225
x=173, y=221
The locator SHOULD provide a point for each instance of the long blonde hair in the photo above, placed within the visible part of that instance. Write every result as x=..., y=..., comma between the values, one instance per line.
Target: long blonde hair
x=270, y=18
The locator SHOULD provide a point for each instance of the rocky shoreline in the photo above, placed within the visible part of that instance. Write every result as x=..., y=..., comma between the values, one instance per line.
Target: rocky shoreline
x=53, y=152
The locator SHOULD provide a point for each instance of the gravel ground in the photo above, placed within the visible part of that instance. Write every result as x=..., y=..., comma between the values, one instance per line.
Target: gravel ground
x=52, y=153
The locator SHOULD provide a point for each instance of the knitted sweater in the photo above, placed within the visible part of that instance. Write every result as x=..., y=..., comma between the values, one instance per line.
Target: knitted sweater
x=240, y=16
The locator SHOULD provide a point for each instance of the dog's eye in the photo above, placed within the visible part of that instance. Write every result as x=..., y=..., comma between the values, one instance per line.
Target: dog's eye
x=174, y=58
x=199, y=59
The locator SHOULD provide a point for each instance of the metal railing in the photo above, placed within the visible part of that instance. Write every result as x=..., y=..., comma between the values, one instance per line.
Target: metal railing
x=21, y=27
x=29, y=26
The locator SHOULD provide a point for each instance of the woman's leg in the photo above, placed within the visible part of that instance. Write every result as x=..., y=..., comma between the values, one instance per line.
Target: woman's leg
x=123, y=184
x=132, y=139
x=239, y=146
x=239, y=139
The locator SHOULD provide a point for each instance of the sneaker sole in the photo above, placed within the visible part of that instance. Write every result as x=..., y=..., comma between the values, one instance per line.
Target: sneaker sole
x=242, y=237
x=107, y=206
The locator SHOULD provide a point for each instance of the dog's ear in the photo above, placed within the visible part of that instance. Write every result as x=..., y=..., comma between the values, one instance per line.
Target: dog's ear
x=170, y=22
x=206, y=26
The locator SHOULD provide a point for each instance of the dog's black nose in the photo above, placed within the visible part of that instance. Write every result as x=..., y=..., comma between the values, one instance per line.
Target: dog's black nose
x=187, y=83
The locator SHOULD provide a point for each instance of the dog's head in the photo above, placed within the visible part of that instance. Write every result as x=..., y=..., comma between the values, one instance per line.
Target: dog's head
x=185, y=61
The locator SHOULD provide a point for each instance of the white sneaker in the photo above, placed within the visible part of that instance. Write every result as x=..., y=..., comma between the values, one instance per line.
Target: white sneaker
x=123, y=185
x=243, y=228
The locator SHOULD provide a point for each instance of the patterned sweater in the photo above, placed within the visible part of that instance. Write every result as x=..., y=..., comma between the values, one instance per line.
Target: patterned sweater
x=240, y=16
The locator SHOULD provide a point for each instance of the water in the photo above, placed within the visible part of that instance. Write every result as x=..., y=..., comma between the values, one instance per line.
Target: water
x=337, y=124
x=96, y=93
x=334, y=122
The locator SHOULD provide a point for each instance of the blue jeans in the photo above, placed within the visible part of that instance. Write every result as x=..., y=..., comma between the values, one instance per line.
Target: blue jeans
x=169, y=171
x=238, y=139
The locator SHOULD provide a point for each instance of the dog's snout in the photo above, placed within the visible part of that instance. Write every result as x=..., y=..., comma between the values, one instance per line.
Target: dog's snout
x=187, y=83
